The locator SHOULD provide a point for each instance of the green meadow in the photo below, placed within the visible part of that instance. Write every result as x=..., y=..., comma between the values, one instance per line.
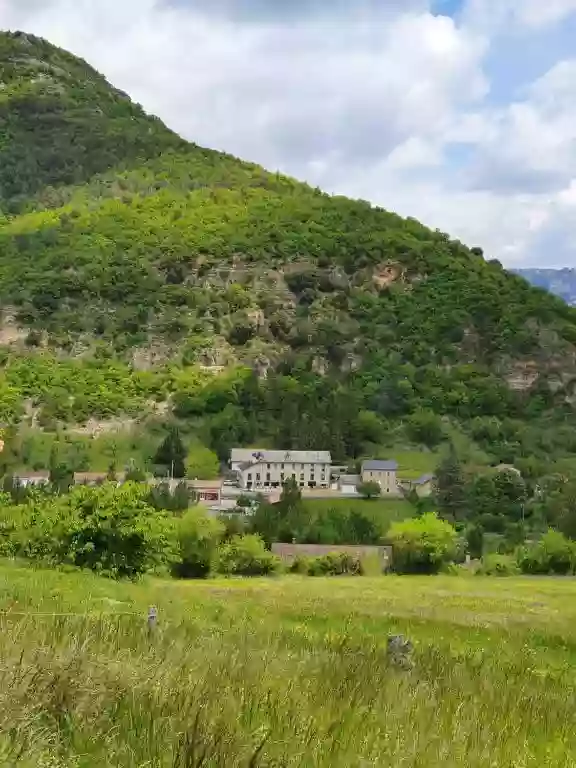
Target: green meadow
x=286, y=672
x=383, y=512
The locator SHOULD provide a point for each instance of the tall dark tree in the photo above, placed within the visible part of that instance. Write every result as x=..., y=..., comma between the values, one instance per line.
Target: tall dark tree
x=171, y=454
x=451, y=496
x=61, y=475
x=9, y=456
x=498, y=500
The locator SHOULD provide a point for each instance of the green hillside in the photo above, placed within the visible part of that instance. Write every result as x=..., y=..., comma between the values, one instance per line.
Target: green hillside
x=132, y=261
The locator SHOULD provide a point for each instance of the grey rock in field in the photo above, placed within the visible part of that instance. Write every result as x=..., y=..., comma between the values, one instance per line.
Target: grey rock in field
x=399, y=651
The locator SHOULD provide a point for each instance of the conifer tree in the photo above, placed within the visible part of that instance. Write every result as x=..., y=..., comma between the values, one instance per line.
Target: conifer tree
x=451, y=495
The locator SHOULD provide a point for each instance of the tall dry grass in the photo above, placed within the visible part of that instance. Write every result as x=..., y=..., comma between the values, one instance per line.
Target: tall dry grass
x=283, y=673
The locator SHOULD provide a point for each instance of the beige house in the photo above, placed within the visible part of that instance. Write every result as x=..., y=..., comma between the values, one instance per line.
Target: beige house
x=383, y=473
x=262, y=469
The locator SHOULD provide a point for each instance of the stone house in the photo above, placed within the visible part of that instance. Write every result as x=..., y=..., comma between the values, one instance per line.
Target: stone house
x=262, y=469
x=384, y=473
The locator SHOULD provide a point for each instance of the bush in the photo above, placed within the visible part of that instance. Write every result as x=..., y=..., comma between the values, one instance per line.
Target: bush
x=301, y=565
x=498, y=565
x=114, y=530
x=422, y=545
x=108, y=529
x=370, y=490
x=553, y=554
x=332, y=564
x=198, y=538
x=247, y=556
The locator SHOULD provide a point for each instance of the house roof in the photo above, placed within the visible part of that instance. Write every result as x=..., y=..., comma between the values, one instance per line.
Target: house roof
x=251, y=456
x=350, y=479
x=379, y=465
x=205, y=485
x=32, y=475
x=424, y=479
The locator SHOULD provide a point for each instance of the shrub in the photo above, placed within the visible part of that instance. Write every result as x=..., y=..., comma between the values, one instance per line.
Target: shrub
x=422, y=545
x=335, y=564
x=114, y=530
x=554, y=553
x=111, y=530
x=301, y=565
x=498, y=565
x=247, y=556
x=198, y=538
x=369, y=490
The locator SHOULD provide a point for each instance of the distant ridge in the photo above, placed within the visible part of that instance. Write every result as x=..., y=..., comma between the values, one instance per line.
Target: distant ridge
x=561, y=282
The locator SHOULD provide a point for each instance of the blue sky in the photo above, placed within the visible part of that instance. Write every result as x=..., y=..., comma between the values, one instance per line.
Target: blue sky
x=459, y=112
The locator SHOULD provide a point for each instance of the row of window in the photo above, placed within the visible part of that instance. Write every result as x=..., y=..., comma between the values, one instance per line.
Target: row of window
x=283, y=477
x=294, y=467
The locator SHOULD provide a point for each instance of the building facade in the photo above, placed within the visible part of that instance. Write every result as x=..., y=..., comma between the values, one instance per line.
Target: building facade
x=384, y=473
x=262, y=469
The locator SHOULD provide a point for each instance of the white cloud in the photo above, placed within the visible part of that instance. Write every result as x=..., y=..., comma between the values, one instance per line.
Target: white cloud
x=286, y=95
x=497, y=15
x=391, y=106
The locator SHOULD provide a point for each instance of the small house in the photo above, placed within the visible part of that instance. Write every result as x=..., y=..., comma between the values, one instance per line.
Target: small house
x=206, y=491
x=384, y=473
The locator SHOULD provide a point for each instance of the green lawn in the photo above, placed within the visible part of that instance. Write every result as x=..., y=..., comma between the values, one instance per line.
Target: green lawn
x=414, y=464
x=286, y=672
x=384, y=511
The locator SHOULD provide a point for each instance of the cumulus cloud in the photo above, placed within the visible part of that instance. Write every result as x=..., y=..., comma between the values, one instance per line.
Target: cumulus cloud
x=524, y=15
x=385, y=101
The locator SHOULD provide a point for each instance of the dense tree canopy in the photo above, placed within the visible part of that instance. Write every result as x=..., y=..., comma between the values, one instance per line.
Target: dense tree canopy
x=143, y=274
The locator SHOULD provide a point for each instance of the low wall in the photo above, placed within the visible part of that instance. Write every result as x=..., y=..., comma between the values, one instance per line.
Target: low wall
x=289, y=552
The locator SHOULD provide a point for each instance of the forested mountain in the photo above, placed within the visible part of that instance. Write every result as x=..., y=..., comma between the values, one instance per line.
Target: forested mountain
x=561, y=282
x=138, y=268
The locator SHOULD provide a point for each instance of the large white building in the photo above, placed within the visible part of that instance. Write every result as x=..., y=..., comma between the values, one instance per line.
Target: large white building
x=259, y=468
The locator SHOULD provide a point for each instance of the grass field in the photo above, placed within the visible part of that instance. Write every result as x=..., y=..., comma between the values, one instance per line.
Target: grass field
x=383, y=511
x=286, y=672
x=414, y=464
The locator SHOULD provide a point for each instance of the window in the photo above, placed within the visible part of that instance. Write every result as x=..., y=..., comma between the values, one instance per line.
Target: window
x=282, y=466
x=301, y=475
x=249, y=475
x=268, y=477
x=282, y=476
x=258, y=477
x=268, y=466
